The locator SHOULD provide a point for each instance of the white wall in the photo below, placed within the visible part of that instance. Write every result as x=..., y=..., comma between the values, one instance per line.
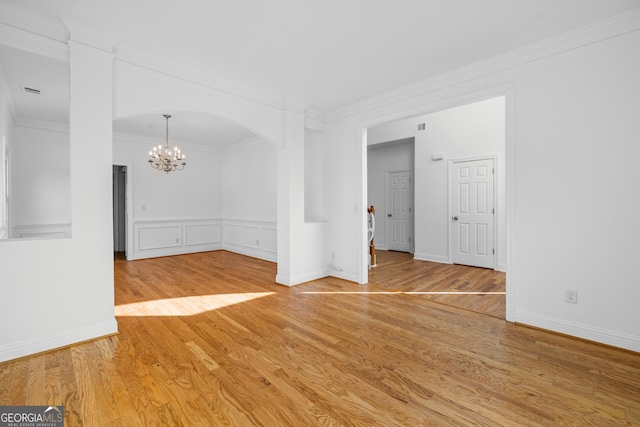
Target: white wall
x=383, y=158
x=192, y=193
x=249, y=177
x=249, y=197
x=40, y=181
x=57, y=292
x=571, y=129
x=476, y=129
x=314, y=164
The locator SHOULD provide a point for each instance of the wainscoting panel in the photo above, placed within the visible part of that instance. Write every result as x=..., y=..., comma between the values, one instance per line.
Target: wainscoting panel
x=159, y=237
x=40, y=231
x=231, y=234
x=252, y=238
x=202, y=234
x=156, y=238
x=269, y=239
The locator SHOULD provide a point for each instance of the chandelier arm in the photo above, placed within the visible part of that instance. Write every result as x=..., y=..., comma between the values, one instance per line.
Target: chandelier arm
x=166, y=160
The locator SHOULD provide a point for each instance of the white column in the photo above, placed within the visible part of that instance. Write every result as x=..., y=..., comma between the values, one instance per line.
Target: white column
x=290, y=197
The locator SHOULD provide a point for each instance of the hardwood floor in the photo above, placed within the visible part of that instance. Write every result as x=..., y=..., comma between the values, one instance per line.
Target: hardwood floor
x=209, y=340
x=471, y=288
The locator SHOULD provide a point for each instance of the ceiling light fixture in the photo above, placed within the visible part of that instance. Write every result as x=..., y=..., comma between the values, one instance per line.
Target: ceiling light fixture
x=167, y=160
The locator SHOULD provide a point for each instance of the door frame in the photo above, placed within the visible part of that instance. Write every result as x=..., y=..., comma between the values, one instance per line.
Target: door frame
x=412, y=207
x=439, y=103
x=496, y=207
x=128, y=206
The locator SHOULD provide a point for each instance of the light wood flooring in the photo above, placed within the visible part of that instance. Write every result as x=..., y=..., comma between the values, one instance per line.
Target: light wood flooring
x=209, y=340
x=471, y=288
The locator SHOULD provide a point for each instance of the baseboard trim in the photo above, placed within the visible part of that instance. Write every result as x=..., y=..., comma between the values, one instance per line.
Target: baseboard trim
x=57, y=340
x=251, y=252
x=345, y=276
x=297, y=280
x=430, y=257
x=599, y=335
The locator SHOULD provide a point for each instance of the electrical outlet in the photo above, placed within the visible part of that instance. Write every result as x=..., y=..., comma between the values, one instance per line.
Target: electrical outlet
x=571, y=296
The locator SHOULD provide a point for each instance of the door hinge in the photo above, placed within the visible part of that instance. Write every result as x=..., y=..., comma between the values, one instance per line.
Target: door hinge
x=493, y=251
x=493, y=210
x=493, y=170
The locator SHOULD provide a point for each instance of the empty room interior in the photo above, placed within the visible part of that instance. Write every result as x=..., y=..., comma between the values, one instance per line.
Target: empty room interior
x=308, y=213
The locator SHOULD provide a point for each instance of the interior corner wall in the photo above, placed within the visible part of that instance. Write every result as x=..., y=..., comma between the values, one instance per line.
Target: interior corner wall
x=572, y=133
x=249, y=197
x=314, y=204
x=476, y=129
x=249, y=182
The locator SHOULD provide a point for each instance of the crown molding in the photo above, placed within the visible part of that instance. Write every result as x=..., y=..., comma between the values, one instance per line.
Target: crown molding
x=140, y=59
x=41, y=124
x=33, y=22
x=19, y=38
x=599, y=31
x=80, y=34
x=315, y=120
x=6, y=95
x=241, y=145
x=150, y=142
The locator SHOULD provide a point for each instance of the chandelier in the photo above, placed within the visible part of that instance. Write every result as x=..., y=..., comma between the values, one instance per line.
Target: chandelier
x=167, y=160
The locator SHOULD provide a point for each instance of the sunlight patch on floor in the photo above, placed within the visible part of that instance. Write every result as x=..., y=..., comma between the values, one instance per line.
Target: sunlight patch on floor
x=185, y=306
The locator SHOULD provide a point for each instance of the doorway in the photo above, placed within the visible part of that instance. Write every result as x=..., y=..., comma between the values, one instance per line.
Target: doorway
x=464, y=132
x=119, y=211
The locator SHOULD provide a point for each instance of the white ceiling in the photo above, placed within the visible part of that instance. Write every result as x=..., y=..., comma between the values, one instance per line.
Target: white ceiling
x=20, y=69
x=321, y=54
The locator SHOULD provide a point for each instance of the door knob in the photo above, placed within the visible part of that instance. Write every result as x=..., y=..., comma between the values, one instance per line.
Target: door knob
x=455, y=218
x=389, y=215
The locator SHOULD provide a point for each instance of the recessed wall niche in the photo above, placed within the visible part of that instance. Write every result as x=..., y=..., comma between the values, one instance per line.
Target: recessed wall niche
x=34, y=129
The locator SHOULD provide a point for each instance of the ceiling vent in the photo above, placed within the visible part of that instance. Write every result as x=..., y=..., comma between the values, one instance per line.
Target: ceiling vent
x=31, y=90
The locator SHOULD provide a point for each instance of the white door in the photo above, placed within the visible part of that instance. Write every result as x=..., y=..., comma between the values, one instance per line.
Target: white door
x=399, y=219
x=473, y=213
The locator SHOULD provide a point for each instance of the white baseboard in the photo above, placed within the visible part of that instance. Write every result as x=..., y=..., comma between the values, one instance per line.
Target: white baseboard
x=282, y=279
x=252, y=252
x=57, y=340
x=430, y=257
x=343, y=275
x=179, y=250
x=599, y=335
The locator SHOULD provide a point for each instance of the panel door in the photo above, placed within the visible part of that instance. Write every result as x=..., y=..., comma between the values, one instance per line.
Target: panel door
x=399, y=219
x=473, y=213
